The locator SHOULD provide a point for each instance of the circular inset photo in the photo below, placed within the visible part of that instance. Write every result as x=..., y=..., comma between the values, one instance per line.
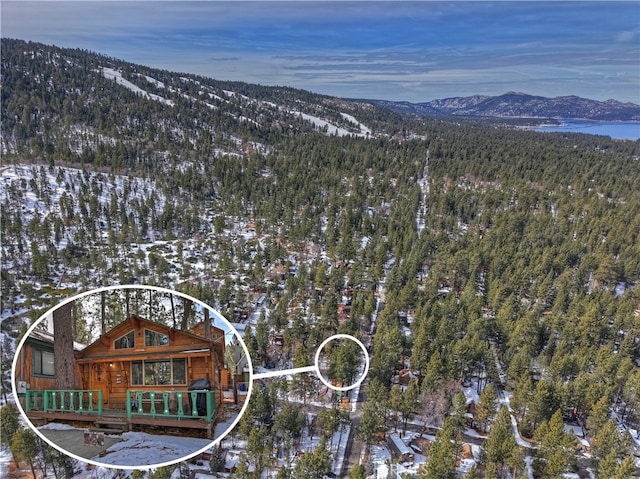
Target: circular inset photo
x=132, y=377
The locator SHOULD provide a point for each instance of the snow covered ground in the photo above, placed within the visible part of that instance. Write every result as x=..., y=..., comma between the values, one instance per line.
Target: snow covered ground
x=333, y=129
x=112, y=74
x=139, y=449
x=142, y=449
x=380, y=457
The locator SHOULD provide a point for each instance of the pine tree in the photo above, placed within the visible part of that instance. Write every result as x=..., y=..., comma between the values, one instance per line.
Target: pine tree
x=556, y=453
x=262, y=339
x=313, y=465
x=500, y=448
x=25, y=448
x=486, y=407
x=522, y=394
x=164, y=472
x=598, y=416
x=369, y=424
x=627, y=469
x=473, y=473
x=216, y=463
x=358, y=472
x=458, y=416
x=607, y=465
x=409, y=404
x=607, y=446
x=441, y=460
x=395, y=404
x=60, y=462
x=284, y=473
x=543, y=404
x=9, y=423
x=242, y=470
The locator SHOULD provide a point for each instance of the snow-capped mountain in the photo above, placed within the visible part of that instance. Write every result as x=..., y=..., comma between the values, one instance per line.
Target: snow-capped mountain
x=521, y=105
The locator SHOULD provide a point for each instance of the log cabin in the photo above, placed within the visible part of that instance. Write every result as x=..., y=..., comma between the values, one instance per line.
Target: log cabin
x=34, y=367
x=144, y=355
x=140, y=371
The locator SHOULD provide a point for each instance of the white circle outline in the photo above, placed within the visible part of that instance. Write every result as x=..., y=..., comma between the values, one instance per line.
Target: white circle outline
x=366, y=360
x=213, y=442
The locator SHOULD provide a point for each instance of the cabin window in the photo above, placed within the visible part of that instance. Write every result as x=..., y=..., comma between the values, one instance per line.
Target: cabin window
x=136, y=373
x=159, y=373
x=179, y=371
x=125, y=342
x=43, y=363
x=153, y=338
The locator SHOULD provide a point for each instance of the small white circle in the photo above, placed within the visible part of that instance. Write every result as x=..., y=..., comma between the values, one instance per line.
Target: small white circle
x=366, y=362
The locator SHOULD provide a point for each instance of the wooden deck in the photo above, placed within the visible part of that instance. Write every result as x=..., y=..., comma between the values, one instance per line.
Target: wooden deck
x=111, y=419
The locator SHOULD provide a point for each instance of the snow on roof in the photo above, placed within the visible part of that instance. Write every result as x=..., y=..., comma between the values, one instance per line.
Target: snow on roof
x=231, y=462
x=47, y=337
x=471, y=392
x=400, y=444
x=575, y=429
x=203, y=475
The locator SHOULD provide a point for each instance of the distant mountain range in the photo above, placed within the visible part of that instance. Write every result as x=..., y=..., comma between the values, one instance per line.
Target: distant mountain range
x=520, y=105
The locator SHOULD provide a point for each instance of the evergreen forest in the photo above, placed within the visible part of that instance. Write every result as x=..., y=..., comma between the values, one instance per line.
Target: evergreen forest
x=468, y=253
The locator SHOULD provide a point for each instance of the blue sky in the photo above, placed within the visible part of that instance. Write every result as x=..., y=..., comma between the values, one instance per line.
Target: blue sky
x=413, y=51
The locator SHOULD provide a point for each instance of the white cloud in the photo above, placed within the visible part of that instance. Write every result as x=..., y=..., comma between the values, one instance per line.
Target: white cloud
x=627, y=36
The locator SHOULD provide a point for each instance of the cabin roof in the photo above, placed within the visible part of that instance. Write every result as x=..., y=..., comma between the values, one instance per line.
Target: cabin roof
x=134, y=322
x=399, y=444
x=39, y=336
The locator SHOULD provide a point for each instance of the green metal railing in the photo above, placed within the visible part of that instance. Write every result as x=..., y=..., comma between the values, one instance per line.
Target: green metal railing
x=77, y=401
x=159, y=403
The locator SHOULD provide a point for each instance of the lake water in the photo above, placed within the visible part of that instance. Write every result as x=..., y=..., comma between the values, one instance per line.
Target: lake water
x=617, y=130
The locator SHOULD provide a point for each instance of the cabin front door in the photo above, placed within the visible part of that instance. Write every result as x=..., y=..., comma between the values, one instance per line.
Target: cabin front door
x=100, y=381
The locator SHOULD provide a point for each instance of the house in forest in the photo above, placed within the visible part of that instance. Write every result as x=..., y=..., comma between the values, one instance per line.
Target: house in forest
x=400, y=449
x=140, y=372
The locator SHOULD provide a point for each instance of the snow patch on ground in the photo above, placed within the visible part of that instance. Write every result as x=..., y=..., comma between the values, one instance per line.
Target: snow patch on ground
x=379, y=457
x=321, y=124
x=142, y=449
x=56, y=426
x=363, y=129
x=111, y=74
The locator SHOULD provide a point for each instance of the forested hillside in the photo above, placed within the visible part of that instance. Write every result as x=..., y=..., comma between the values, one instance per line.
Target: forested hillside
x=497, y=256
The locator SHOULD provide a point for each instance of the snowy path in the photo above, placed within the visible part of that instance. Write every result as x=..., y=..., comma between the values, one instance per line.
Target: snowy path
x=505, y=398
x=424, y=189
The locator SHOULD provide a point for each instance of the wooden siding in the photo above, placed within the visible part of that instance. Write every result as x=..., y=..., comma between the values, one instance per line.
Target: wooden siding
x=177, y=340
x=100, y=366
x=108, y=369
x=24, y=366
x=114, y=378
